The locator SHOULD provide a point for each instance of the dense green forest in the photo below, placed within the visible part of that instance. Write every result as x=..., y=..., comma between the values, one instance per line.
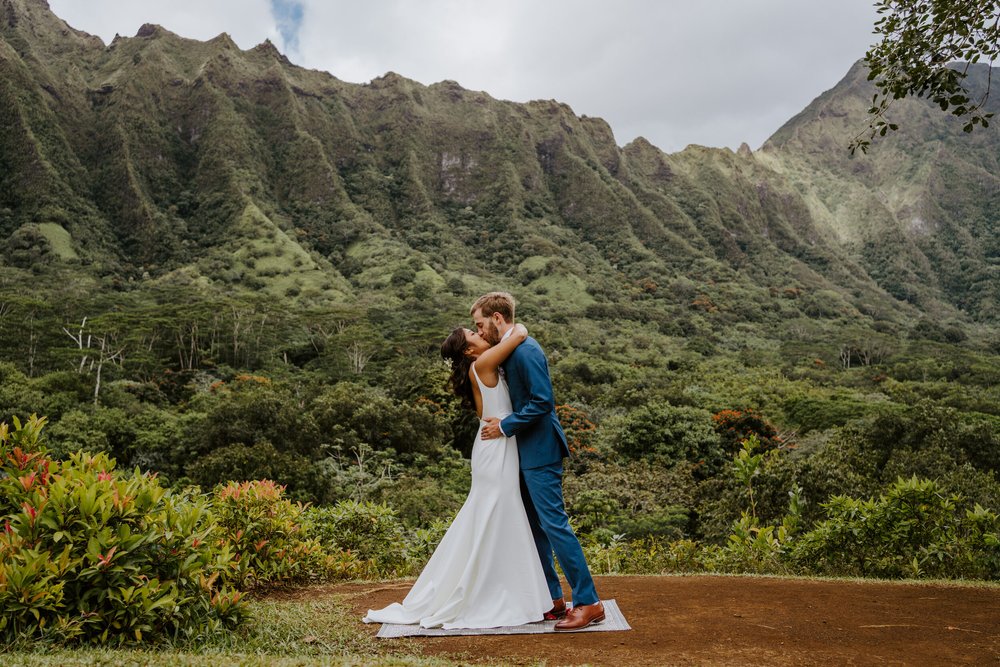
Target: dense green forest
x=218, y=267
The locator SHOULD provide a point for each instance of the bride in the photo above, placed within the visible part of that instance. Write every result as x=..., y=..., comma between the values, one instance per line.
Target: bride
x=485, y=572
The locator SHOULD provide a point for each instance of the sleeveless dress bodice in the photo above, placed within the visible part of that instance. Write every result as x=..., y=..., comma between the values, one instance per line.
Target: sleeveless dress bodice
x=496, y=400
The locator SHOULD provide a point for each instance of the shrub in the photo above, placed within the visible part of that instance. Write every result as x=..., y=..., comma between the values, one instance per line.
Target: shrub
x=91, y=554
x=252, y=410
x=649, y=555
x=303, y=480
x=268, y=536
x=912, y=530
x=351, y=415
x=735, y=426
x=665, y=433
x=811, y=413
x=370, y=531
x=636, y=498
x=421, y=543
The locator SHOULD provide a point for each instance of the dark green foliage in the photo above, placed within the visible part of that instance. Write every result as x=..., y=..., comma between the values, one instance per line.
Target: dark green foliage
x=253, y=412
x=817, y=414
x=429, y=489
x=302, y=479
x=914, y=529
x=637, y=498
x=370, y=531
x=351, y=415
x=666, y=433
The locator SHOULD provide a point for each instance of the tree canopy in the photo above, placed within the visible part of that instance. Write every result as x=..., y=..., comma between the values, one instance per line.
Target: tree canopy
x=926, y=50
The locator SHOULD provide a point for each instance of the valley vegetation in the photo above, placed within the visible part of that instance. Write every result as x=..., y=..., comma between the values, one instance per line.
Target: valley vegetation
x=224, y=281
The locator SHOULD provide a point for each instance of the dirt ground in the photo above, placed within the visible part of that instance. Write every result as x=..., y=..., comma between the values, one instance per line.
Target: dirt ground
x=712, y=620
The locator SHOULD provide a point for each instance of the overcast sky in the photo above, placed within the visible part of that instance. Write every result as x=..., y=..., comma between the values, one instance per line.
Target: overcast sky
x=677, y=72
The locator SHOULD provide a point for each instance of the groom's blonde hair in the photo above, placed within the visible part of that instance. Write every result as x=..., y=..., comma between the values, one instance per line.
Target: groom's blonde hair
x=495, y=302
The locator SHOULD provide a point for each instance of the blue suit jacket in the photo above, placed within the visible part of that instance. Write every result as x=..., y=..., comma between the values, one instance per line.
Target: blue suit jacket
x=540, y=438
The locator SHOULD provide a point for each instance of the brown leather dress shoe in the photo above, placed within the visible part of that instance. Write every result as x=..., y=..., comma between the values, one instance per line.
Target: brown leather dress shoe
x=558, y=610
x=580, y=617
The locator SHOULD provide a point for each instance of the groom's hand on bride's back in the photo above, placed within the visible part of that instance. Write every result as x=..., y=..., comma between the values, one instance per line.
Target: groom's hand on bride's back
x=491, y=429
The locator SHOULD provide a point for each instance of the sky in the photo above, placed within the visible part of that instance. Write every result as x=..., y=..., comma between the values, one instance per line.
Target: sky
x=676, y=72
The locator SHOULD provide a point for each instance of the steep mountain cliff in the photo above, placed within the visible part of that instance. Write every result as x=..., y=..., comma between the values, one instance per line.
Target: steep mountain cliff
x=921, y=211
x=162, y=160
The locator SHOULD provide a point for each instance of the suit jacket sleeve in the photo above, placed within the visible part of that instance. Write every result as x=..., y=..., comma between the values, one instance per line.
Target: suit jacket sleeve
x=531, y=364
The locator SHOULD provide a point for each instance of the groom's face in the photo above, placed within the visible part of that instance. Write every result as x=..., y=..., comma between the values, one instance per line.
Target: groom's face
x=486, y=328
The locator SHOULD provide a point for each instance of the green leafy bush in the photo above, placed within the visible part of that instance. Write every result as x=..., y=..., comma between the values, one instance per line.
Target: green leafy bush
x=269, y=538
x=372, y=532
x=302, y=480
x=88, y=553
x=648, y=555
x=421, y=543
x=350, y=415
x=426, y=491
x=914, y=529
x=665, y=433
x=635, y=498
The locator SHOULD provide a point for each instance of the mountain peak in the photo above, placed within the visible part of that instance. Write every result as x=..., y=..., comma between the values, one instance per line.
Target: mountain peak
x=148, y=30
x=35, y=18
x=225, y=40
x=268, y=48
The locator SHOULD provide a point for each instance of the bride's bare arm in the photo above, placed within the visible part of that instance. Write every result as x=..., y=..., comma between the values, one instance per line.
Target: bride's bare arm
x=490, y=360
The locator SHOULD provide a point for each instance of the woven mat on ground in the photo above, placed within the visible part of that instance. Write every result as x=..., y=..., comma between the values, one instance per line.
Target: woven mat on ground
x=614, y=620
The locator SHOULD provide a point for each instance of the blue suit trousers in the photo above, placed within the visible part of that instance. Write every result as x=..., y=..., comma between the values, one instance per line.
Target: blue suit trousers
x=541, y=491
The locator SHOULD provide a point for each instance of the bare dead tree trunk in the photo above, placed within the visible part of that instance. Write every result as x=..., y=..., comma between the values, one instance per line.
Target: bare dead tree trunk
x=845, y=356
x=106, y=356
x=237, y=330
x=260, y=332
x=865, y=353
x=32, y=343
x=79, y=340
x=214, y=336
x=874, y=352
x=5, y=308
x=320, y=334
x=187, y=345
x=358, y=356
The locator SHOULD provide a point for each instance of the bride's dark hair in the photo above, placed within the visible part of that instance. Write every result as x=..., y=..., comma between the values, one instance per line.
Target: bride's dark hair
x=453, y=351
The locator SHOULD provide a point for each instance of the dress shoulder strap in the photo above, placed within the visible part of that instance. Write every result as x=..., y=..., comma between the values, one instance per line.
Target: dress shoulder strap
x=476, y=373
x=482, y=385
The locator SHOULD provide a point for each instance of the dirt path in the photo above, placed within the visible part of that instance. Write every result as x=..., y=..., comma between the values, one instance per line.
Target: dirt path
x=707, y=620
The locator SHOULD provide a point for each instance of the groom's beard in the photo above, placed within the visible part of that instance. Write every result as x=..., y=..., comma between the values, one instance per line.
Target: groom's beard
x=492, y=333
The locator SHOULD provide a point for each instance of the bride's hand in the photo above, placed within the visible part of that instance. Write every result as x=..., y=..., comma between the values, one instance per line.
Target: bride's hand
x=521, y=330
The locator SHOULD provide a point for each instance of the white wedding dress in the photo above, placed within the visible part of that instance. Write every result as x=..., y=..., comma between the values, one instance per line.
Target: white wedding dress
x=485, y=573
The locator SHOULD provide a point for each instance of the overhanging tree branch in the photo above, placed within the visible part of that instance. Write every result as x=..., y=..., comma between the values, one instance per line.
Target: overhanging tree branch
x=924, y=43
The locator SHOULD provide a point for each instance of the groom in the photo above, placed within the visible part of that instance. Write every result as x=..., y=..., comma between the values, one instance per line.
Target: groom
x=541, y=445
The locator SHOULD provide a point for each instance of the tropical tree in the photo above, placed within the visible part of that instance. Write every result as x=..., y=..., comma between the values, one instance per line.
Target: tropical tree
x=926, y=50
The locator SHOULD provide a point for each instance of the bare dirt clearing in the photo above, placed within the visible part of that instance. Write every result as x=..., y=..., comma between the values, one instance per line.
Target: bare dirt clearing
x=741, y=620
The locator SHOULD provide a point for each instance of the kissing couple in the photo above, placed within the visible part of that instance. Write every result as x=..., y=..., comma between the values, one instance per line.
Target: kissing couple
x=494, y=567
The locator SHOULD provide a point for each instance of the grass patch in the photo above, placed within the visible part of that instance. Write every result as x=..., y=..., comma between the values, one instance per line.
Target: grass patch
x=267, y=254
x=280, y=632
x=568, y=289
x=59, y=239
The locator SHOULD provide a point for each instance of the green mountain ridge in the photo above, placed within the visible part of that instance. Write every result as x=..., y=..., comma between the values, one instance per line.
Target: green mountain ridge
x=160, y=160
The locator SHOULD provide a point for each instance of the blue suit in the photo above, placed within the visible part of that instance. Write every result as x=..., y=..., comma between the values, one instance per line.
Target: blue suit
x=541, y=446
